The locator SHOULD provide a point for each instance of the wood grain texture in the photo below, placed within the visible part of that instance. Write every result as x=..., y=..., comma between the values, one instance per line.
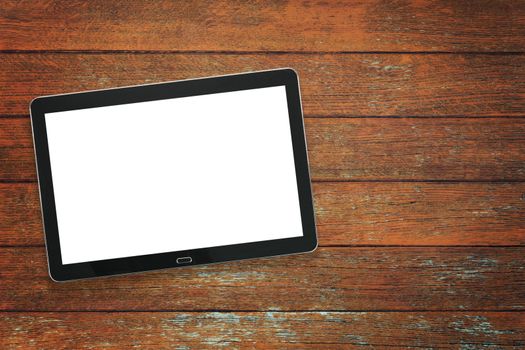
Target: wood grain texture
x=464, y=93
x=262, y=330
x=409, y=25
x=420, y=213
x=458, y=149
x=416, y=149
x=332, y=84
x=355, y=214
x=336, y=279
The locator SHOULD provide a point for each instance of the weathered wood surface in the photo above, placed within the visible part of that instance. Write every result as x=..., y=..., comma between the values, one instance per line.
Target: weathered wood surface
x=397, y=278
x=332, y=84
x=261, y=26
x=452, y=174
x=263, y=330
x=361, y=213
x=479, y=149
x=416, y=149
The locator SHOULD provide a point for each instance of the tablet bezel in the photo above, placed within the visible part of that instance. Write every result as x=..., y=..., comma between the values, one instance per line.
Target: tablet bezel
x=151, y=92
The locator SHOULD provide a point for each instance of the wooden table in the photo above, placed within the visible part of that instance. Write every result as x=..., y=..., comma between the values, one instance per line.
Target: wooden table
x=415, y=124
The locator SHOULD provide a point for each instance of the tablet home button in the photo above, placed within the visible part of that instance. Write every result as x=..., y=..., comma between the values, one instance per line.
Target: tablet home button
x=184, y=260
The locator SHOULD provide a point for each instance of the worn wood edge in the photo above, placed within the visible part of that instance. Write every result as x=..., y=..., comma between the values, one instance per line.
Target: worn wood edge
x=262, y=329
x=337, y=279
x=259, y=52
x=355, y=214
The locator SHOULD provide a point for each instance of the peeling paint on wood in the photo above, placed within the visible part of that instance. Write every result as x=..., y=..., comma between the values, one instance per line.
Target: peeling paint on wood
x=397, y=278
x=277, y=330
x=292, y=302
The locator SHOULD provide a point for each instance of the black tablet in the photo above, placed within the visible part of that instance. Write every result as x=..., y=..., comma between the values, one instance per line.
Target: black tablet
x=173, y=174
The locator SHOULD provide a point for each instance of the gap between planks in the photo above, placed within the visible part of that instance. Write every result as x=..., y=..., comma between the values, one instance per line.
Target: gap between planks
x=24, y=116
x=241, y=311
x=22, y=181
x=345, y=246
x=265, y=52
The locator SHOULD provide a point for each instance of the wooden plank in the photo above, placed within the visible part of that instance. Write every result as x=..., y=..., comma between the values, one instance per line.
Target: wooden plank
x=417, y=149
x=262, y=26
x=459, y=149
x=355, y=214
x=420, y=213
x=17, y=159
x=334, y=279
x=332, y=84
x=21, y=222
x=257, y=330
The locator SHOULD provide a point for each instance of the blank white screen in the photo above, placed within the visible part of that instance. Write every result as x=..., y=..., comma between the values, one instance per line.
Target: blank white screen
x=177, y=174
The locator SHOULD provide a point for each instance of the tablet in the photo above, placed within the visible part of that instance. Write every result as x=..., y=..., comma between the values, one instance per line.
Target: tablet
x=173, y=174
